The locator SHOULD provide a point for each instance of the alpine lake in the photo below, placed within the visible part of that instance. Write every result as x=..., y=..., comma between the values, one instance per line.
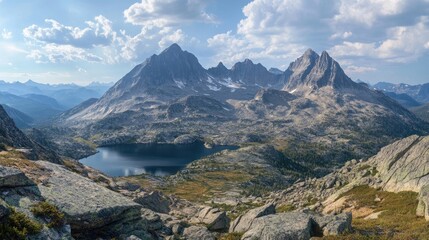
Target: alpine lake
x=155, y=159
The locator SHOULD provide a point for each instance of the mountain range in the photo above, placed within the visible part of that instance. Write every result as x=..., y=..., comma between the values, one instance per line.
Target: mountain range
x=171, y=98
x=11, y=136
x=419, y=92
x=32, y=99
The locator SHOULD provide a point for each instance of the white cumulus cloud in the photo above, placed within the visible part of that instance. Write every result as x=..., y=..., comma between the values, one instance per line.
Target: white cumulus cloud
x=162, y=13
x=368, y=11
x=97, y=32
x=62, y=53
x=401, y=44
x=276, y=31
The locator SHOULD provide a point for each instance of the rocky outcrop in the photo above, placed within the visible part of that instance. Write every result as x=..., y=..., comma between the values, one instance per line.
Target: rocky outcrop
x=243, y=222
x=198, y=233
x=154, y=201
x=88, y=206
x=281, y=226
x=12, y=177
x=423, y=206
x=274, y=97
x=334, y=224
x=213, y=218
x=404, y=164
x=297, y=225
x=154, y=222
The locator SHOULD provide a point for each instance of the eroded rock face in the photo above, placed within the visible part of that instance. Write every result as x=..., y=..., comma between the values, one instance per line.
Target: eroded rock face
x=154, y=201
x=243, y=222
x=214, y=218
x=12, y=177
x=404, y=164
x=87, y=205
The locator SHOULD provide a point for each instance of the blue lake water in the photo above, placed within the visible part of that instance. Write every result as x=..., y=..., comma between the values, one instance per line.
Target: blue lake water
x=155, y=159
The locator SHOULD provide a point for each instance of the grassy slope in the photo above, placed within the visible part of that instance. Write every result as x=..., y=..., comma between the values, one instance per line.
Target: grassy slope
x=397, y=221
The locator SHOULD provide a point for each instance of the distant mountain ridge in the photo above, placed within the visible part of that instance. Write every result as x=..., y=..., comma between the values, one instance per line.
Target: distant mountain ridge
x=419, y=92
x=21, y=119
x=39, y=107
x=11, y=136
x=67, y=95
x=42, y=102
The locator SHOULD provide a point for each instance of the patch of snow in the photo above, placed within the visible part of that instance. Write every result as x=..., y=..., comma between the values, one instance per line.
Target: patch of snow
x=233, y=90
x=226, y=109
x=210, y=79
x=213, y=88
x=139, y=71
x=180, y=84
x=293, y=91
x=227, y=82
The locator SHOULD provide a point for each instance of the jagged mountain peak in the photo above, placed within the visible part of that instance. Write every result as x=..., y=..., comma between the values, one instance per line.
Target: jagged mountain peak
x=174, y=53
x=248, y=61
x=310, y=53
x=311, y=71
x=220, y=65
x=173, y=67
x=247, y=65
x=275, y=71
x=173, y=48
x=325, y=58
x=219, y=71
x=29, y=81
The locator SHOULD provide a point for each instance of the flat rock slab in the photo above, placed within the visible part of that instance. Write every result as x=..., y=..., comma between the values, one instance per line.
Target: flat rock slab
x=198, y=233
x=85, y=204
x=12, y=177
x=283, y=226
x=297, y=226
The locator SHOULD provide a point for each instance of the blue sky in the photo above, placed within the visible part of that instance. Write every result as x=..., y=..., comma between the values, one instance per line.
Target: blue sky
x=82, y=41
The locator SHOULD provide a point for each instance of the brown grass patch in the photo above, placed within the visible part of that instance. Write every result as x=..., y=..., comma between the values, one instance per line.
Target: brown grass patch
x=397, y=221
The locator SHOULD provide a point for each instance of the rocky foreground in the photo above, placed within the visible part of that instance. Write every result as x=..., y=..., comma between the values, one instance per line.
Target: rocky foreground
x=53, y=202
x=365, y=198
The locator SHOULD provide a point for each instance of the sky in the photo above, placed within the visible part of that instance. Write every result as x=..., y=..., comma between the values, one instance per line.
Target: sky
x=82, y=41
